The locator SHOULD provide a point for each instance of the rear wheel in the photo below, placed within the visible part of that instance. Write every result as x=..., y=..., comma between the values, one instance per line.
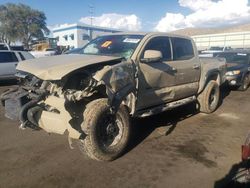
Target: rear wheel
x=245, y=83
x=107, y=134
x=209, y=98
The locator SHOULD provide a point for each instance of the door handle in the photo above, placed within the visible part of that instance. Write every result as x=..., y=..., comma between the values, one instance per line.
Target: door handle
x=196, y=66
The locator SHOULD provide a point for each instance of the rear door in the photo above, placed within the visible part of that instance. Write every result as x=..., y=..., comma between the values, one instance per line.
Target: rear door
x=8, y=62
x=187, y=66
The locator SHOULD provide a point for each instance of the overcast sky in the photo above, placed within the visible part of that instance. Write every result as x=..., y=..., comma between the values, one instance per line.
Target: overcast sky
x=144, y=15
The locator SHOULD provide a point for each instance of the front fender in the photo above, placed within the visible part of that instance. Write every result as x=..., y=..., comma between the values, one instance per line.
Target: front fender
x=119, y=80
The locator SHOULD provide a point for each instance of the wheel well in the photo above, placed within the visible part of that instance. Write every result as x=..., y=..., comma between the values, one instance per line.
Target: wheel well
x=216, y=77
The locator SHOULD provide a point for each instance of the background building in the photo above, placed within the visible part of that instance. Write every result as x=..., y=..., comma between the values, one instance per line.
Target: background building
x=77, y=35
x=234, y=40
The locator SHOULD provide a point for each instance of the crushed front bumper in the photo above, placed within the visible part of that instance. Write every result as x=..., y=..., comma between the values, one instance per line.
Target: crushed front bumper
x=39, y=111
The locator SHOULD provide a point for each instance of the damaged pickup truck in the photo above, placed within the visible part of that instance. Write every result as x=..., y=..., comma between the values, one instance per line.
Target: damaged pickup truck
x=92, y=96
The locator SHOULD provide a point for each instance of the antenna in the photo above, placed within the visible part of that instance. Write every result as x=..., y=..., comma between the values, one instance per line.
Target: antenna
x=91, y=13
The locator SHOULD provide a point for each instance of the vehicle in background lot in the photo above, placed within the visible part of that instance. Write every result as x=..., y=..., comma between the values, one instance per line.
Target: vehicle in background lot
x=4, y=46
x=93, y=95
x=8, y=62
x=212, y=51
x=43, y=48
x=17, y=48
x=238, y=68
x=44, y=53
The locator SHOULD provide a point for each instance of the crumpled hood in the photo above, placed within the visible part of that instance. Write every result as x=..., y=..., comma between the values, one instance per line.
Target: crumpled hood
x=56, y=67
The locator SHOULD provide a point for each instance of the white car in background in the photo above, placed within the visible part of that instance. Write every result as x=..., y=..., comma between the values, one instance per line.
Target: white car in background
x=8, y=62
x=44, y=53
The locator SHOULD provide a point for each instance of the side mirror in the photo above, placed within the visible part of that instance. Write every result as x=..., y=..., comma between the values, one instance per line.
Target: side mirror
x=151, y=56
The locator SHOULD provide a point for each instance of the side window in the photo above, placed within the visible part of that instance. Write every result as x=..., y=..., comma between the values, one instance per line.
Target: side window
x=161, y=44
x=21, y=55
x=182, y=49
x=27, y=55
x=7, y=57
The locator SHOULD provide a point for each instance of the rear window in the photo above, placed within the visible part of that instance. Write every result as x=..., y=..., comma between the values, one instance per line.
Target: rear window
x=6, y=57
x=182, y=49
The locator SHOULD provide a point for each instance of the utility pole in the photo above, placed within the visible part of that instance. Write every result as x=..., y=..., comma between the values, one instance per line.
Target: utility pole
x=91, y=17
x=91, y=13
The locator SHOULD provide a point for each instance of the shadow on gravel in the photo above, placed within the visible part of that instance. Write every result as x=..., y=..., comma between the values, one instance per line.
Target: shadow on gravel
x=143, y=127
x=225, y=91
x=236, y=177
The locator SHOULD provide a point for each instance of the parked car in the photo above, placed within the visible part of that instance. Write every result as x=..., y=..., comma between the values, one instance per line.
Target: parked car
x=9, y=60
x=238, y=68
x=45, y=53
x=92, y=96
x=213, y=51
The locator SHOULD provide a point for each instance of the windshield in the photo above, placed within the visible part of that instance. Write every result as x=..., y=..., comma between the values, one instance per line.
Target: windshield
x=115, y=45
x=240, y=58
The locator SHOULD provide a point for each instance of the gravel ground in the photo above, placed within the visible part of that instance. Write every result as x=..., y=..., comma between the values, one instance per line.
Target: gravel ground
x=175, y=149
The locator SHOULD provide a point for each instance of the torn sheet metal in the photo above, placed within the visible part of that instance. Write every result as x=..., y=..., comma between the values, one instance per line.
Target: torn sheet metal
x=119, y=80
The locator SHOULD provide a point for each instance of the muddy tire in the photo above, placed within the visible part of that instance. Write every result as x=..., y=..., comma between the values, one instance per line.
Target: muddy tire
x=209, y=99
x=244, y=86
x=107, y=134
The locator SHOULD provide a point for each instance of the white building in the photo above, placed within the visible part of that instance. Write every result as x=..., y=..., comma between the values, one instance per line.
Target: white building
x=234, y=40
x=77, y=35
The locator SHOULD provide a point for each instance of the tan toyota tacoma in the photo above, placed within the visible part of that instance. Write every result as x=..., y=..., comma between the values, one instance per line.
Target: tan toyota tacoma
x=93, y=95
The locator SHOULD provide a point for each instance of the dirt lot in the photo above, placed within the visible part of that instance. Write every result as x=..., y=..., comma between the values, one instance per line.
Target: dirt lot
x=175, y=149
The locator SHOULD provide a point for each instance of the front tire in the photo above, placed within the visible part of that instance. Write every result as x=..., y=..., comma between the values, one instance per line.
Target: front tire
x=107, y=134
x=209, y=99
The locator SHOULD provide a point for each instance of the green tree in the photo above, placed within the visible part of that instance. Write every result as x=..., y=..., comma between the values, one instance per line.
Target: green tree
x=19, y=22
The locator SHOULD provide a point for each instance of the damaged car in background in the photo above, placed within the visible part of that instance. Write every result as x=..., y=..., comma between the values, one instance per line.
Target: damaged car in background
x=93, y=95
x=238, y=68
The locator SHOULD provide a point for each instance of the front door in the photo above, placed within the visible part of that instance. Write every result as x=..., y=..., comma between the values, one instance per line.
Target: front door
x=156, y=79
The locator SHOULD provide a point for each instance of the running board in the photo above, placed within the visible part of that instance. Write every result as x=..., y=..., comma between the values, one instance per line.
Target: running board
x=164, y=107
